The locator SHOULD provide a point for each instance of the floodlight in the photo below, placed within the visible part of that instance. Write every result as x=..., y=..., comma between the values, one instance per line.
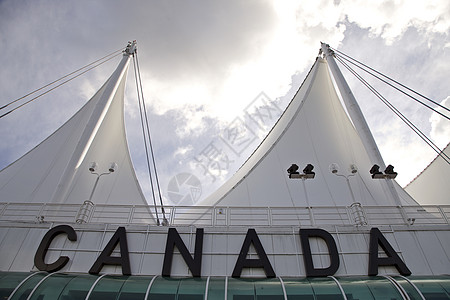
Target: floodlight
x=389, y=171
x=375, y=171
x=307, y=172
x=353, y=168
x=93, y=166
x=113, y=167
x=308, y=169
x=334, y=168
x=292, y=169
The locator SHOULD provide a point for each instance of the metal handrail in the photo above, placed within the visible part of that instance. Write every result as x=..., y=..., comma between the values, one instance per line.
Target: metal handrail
x=230, y=216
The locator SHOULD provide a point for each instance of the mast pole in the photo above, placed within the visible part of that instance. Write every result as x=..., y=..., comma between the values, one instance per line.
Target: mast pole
x=353, y=109
x=92, y=126
x=358, y=120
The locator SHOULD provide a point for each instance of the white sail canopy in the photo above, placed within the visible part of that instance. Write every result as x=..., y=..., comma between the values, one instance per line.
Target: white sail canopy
x=57, y=170
x=431, y=186
x=315, y=130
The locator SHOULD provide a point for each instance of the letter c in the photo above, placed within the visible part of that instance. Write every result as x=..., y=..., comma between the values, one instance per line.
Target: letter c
x=45, y=244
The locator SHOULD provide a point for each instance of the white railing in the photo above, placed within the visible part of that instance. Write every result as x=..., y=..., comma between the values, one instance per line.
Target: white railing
x=229, y=216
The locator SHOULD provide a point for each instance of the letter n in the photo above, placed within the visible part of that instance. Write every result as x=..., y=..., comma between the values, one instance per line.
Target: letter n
x=392, y=259
x=45, y=244
x=305, y=234
x=261, y=262
x=194, y=264
x=105, y=257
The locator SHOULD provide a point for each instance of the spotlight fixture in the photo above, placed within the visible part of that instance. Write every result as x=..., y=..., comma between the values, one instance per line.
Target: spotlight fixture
x=388, y=172
x=113, y=167
x=307, y=172
x=292, y=170
x=334, y=168
x=353, y=168
x=93, y=166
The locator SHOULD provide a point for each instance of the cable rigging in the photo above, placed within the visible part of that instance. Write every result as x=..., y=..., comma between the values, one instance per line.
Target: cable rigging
x=86, y=69
x=342, y=59
x=360, y=64
x=148, y=142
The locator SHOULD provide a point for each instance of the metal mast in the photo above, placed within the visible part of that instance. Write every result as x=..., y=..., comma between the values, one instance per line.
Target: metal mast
x=93, y=125
x=357, y=118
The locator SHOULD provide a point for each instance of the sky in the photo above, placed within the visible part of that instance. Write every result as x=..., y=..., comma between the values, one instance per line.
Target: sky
x=204, y=64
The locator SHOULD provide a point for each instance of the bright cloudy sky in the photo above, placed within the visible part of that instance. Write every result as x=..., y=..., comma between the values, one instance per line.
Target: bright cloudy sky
x=204, y=62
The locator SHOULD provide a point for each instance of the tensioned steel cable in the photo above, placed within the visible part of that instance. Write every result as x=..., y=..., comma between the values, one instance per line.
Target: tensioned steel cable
x=61, y=78
x=402, y=91
x=53, y=88
x=145, y=141
x=358, y=64
x=150, y=141
x=397, y=112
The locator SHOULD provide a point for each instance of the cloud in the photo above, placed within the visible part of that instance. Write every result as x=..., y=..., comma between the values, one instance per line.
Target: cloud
x=390, y=19
x=440, y=127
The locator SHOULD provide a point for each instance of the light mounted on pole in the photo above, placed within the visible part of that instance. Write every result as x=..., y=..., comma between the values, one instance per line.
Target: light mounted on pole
x=86, y=208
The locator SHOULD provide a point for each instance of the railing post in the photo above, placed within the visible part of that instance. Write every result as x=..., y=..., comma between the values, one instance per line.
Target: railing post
x=404, y=215
x=4, y=209
x=269, y=216
x=311, y=216
x=41, y=210
x=92, y=213
x=131, y=214
x=443, y=214
x=172, y=215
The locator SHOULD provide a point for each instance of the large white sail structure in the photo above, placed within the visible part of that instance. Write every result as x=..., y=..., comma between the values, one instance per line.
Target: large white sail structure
x=314, y=129
x=57, y=170
x=431, y=185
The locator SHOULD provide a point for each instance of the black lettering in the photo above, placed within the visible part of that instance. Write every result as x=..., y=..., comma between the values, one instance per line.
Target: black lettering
x=105, y=257
x=194, y=264
x=392, y=259
x=261, y=262
x=305, y=234
x=45, y=244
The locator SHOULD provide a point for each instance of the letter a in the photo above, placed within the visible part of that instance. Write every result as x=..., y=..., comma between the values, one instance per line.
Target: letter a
x=105, y=257
x=392, y=259
x=261, y=262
